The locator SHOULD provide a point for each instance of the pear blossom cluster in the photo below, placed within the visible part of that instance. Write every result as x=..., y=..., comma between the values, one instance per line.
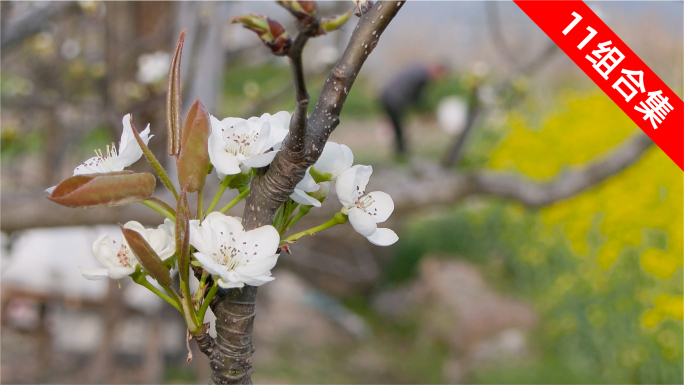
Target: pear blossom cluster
x=223, y=248
x=203, y=241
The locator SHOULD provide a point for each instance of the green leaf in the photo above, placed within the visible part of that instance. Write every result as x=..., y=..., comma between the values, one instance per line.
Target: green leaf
x=183, y=236
x=147, y=256
x=152, y=160
x=103, y=190
x=173, y=99
x=194, y=156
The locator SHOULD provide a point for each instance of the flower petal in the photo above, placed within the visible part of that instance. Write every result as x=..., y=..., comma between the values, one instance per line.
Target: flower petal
x=229, y=284
x=303, y=198
x=362, y=222
x=253, y=269
x=307, y=184
x=259, y=144
x=93, y=165
x=348, y=157
x=382, y=206
x=280, y=126
x=383, y=237
x=334, y=159
x=224, y=162
x=259, y=243
x=261, y=160
x=256, y=281
x=117, y=272
x=137, y=227
x=351, y=183
x=94, y=273
x=129, y=149
x=127, y=133
x=104, y=251
x=209, y=264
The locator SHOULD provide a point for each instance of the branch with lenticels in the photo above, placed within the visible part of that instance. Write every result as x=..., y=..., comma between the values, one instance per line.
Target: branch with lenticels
x=270, y=190
x=230, y=353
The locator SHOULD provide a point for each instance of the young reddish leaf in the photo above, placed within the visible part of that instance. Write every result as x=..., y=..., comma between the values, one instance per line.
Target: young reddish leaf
x=173, y=99
x=147, y=256
x=193, y=162
x=183, y=236
x=271, y=32
x=152, y=160
x=103, y=190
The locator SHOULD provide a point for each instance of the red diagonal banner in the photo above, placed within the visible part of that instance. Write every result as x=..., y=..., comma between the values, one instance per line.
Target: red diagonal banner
x=615, y=68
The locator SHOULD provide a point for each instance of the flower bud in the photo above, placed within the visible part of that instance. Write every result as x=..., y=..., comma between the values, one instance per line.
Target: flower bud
x=269, y=31
x=306, y=14
x=363, y=6
x=336, y=22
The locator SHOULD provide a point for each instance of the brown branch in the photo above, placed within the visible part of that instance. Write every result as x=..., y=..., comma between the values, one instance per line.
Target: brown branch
x=231, y=353
x=295, y=139
x=568, y=183
x=494, y=24
x=33, y=22
x=269, y=191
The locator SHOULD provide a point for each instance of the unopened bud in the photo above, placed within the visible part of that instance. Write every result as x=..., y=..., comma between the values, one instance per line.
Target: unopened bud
x=336, y=22
x=306, y=14
x=363, y=6
x=269, y=31
x=299, y=9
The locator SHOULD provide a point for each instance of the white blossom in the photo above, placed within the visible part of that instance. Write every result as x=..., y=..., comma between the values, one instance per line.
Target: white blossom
x=365, y=211
x=116, y=160
x=153, y=67
x=253, y=142
x=306, y=185
x=117, y=257
x=239, y=257
x=335, y=159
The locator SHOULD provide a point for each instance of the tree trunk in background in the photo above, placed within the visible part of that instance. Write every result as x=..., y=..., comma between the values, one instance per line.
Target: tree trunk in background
x=102, y=365
x=135, y=28
x=203, y=54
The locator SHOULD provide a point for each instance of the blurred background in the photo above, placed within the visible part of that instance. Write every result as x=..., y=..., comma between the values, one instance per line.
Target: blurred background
x=523, y=256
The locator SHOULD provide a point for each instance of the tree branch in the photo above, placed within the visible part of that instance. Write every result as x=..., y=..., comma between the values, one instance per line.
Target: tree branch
x=474, y=108
x=270, y=190
x=568, y=183
x=231, y=352
x=295, y=139
x=33, y=22
x=494, y=24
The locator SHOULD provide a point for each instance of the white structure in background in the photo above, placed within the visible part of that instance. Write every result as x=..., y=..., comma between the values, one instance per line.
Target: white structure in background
x=44, y=262
x=452, y=113
x=153, y=67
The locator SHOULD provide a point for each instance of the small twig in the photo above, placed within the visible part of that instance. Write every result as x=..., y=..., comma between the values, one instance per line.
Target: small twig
x=295, y=140
x=456, y=150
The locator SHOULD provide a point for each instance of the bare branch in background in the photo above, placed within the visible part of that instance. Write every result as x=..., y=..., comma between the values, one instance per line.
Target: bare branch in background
x=494, y=24
x=566, y=184
x=32, y=23
x=474, y=107
x=452, y=157
x=433, y=185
